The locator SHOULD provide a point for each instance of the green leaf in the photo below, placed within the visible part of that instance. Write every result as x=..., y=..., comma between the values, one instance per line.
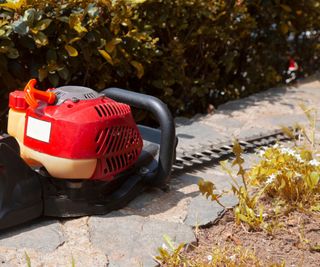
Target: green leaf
x=27, y=259
x=2, y=32
x=29, y=16
x=73, y=52
x=110, y=46
x=64, y=19
x=92, y=10
x=40, y=39
x=20, y=27
x=306, y=155
x=288, y=132
x=64, y=73
x=12, y=53
x=206, y=187
x=314, y=179
x=42, y=24
x=236, y=149
x=282, y=184
x=76, y=23
x=286, y=8
x=53, y=67
x=15, y=5
x=315, y=248
x=136, y=1
x=74, y=40
x=316, y=208
x=169, y=241
x=106, y=56
x=139, y=68
x=73, y=262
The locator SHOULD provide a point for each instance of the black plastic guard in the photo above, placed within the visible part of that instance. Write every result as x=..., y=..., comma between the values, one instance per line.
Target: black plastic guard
x=20, y=187
x=73, y=198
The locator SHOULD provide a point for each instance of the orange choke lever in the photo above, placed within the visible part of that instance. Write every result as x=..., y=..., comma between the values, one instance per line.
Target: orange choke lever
x=32, y=95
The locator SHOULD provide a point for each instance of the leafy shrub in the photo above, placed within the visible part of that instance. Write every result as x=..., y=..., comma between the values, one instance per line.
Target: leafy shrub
x=86, y=42
x=189, y=53
x=213, y=51
x=91, y=43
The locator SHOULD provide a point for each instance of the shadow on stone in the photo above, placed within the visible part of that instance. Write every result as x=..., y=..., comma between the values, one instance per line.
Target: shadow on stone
x=271, y=95
x=42, y=235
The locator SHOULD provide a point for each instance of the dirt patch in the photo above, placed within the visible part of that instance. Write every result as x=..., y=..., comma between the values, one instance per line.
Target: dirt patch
x=295, y=241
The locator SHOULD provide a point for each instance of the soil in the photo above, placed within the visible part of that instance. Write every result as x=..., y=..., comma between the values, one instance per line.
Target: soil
x=296, y=240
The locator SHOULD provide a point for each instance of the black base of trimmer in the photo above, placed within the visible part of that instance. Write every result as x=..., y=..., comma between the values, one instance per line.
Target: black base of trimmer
x=20, y=187
x=71, y=198
x=26, y=194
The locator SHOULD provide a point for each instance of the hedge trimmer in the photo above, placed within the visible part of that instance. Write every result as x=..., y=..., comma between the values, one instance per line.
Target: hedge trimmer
x=71, y=151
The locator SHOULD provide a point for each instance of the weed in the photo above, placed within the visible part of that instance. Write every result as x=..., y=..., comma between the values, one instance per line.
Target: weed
x=170, y=254
x=27, y=259
x=287, y=177
x=231, y=256
x=228, y=256
x=246, y=210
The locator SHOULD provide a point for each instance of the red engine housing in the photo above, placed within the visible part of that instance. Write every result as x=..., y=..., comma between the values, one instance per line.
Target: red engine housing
x=98, y=128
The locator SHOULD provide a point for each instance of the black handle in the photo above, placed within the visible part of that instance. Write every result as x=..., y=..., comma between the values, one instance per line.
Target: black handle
x=167, y=127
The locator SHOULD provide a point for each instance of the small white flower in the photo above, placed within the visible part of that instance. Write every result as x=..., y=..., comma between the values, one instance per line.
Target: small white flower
x=261, y=152
x=276, y=145
x=164, y=246
x=288, y=151
x=314, y=162
x=298, y=158
x=271, y=178
x=209, y=258
x=233, y=257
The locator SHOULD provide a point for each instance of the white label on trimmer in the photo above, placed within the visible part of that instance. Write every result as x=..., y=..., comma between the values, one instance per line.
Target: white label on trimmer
x=39, y=129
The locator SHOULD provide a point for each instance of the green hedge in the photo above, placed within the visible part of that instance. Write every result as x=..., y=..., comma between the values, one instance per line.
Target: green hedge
x=190, y=53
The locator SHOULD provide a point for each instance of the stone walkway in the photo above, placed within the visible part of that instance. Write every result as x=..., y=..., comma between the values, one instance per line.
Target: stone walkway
x=131, y=236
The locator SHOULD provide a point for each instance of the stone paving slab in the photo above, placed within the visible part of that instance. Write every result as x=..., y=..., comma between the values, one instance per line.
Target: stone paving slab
x=131, y=236
x=44, y=236
x=202, y=212
x=133, y=240
x=197, y=134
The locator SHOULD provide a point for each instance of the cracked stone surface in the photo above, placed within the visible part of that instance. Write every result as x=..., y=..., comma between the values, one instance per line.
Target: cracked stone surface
x=131, y=236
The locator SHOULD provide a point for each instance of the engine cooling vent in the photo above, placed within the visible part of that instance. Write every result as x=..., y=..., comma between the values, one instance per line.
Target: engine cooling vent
x=60, y=94
x=114, y=139
x=111, y=109
x=89, y=96
x=120, y=146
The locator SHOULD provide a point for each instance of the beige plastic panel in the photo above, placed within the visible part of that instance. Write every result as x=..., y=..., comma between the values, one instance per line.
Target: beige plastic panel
x=57, y=167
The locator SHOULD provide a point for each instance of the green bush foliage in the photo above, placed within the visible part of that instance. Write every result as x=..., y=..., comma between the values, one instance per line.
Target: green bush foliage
x=188, y=52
